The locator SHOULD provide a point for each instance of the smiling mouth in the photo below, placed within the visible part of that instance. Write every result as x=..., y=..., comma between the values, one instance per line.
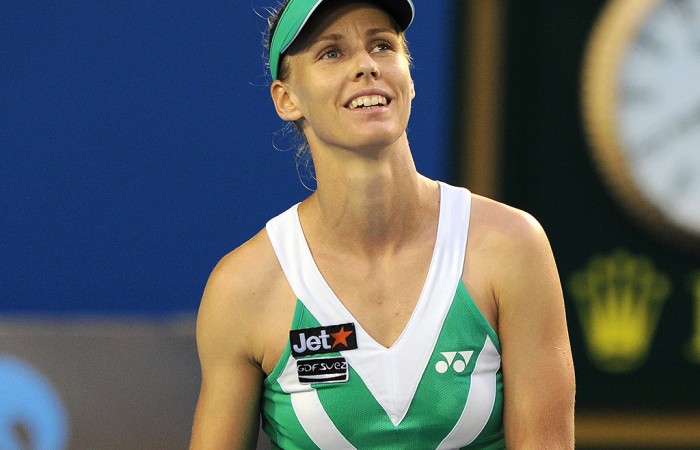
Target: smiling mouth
x=368, y=101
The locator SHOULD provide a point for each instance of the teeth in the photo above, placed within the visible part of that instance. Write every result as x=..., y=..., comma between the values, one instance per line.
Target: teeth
x=369, y=100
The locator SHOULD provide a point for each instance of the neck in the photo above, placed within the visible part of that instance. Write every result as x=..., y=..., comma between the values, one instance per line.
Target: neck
x=369, y=204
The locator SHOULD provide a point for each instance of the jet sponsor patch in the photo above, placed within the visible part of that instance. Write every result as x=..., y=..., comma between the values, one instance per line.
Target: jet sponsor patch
x=316, y=341
x=332, y=369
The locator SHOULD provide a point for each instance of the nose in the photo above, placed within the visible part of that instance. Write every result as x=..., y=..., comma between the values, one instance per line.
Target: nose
x=366, y=67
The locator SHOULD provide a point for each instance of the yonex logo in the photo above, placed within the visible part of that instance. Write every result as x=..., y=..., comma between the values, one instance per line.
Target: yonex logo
x=459, y=365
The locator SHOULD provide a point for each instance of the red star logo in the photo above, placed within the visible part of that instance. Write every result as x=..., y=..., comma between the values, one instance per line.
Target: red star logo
x=341, y=337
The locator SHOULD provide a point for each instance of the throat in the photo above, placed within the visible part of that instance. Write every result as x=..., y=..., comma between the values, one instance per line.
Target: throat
x=372, y=223
x=380, y=296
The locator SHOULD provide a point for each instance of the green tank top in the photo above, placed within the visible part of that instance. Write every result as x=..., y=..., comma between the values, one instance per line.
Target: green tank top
x=438, y=387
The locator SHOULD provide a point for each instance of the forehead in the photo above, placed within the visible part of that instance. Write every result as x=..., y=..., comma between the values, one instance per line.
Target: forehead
x=336, y=17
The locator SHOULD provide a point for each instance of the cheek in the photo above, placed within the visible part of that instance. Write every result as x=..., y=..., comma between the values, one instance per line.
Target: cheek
x=305, y=90
x=408, y=89
x=316, y=98
x=400, y=73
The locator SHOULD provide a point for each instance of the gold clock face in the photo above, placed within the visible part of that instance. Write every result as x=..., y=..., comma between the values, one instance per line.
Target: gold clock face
x=641, y=108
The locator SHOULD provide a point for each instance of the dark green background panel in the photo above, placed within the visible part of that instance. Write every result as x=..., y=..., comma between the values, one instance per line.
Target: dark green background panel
x=548, y=171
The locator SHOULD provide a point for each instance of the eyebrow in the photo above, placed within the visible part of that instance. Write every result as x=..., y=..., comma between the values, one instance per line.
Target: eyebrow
x=328, y=37
x=379, y=30
x=335, y=37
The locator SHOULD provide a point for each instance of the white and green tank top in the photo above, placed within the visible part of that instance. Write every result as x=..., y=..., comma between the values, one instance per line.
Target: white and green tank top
x=438, y=387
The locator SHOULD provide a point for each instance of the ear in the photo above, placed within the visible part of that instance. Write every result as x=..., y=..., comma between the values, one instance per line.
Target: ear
x=413, y=90
x=285, y=101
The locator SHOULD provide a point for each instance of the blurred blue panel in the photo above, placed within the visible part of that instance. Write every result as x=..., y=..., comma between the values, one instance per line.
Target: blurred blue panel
x=30, y=409
x=136, y=146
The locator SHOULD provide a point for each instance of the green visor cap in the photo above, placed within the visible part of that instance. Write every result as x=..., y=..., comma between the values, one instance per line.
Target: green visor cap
x=297, y=13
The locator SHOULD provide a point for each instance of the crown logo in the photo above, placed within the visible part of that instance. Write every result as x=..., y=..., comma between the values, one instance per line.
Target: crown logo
x=619, y=299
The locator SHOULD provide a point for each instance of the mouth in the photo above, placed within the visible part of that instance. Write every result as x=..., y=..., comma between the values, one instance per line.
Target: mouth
x=368, y=102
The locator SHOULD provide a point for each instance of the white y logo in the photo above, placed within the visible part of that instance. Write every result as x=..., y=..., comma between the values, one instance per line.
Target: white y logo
x=459, y=366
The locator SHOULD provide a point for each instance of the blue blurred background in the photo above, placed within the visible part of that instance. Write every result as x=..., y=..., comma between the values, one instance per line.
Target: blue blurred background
x=138, y=146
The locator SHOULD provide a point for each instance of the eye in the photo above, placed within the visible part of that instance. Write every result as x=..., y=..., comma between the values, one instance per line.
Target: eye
x=331, y=53
x=382, y=47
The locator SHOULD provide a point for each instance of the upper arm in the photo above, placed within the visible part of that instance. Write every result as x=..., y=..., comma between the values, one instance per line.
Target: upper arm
x=538, y=375
x=227, y=411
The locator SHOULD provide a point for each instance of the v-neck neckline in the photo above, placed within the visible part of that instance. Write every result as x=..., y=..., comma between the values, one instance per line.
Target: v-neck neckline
x=329, y=294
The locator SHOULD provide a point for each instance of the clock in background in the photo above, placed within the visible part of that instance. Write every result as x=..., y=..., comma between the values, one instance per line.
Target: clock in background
x=641, y=108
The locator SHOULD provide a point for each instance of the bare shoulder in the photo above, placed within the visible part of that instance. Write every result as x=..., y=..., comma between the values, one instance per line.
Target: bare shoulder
x=511, y=246
x=505, y=244
x=242, y=277
x=503, y=224
x=240, y=297
x=247, y=270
